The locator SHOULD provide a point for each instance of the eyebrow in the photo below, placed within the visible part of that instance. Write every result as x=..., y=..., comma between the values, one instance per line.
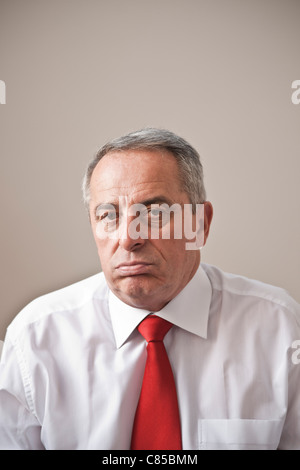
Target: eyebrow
x=160, y=199
x=105, y=205
x=157, y=200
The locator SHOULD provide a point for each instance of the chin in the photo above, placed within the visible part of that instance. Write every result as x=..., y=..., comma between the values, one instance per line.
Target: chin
x=137, y=291
x=137, y=285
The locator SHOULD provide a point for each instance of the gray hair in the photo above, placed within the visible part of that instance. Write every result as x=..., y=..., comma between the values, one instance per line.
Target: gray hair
x=188, y=159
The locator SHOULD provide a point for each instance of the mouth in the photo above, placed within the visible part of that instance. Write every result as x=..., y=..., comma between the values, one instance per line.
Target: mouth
x=134, y=268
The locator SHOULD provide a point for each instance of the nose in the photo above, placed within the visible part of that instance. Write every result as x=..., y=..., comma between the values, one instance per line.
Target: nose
x=131, y=237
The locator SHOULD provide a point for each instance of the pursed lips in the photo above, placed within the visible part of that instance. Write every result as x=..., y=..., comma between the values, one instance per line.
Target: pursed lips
x=133, y=268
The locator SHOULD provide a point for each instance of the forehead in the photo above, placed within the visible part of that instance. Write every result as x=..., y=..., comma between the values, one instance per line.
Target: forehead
x=133, y=170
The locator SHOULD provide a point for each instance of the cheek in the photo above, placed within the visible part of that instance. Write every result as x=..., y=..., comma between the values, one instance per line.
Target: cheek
x=176, y=257
x=172, y=251
x=105, y=251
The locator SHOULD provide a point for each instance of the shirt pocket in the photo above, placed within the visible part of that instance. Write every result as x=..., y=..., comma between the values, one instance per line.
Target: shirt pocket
x=239, y=434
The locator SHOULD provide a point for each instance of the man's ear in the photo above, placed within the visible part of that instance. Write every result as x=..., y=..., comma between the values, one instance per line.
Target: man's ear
x=208, y=215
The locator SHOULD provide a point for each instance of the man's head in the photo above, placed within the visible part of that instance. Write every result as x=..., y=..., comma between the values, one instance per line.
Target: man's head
x=150, y=167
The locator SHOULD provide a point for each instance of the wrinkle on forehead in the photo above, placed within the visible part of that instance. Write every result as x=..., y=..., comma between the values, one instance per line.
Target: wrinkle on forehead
x=137, y=171
x=111, y=188
x=131, y=160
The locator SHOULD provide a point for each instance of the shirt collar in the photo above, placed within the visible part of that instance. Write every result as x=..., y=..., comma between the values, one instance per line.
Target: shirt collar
x=188, y=310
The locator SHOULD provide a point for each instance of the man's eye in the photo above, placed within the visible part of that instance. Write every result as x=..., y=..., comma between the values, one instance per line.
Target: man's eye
x=108, y=216
x=155, y=212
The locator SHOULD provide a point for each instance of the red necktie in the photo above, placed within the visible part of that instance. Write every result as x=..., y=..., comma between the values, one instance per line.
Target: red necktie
x=157, y=422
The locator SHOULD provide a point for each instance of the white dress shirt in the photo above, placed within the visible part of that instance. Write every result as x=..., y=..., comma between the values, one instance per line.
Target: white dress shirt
x=73, y=362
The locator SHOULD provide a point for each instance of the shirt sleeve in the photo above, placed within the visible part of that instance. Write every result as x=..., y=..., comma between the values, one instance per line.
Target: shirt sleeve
x=19, y=428
x=290, y=438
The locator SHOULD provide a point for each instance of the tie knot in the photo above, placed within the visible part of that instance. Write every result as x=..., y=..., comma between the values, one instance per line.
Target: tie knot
x=154, y=328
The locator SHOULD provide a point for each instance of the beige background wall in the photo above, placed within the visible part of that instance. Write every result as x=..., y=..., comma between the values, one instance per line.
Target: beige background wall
x=79, y=72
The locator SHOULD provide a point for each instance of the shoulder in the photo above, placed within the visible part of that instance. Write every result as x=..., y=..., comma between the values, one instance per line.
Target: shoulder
x=244, y=291
x=67, y=299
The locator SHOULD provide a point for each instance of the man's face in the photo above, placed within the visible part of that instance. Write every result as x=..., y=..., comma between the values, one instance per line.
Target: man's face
x=143, y=272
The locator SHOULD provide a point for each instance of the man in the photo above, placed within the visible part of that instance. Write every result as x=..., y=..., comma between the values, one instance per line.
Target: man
x=73, y=363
